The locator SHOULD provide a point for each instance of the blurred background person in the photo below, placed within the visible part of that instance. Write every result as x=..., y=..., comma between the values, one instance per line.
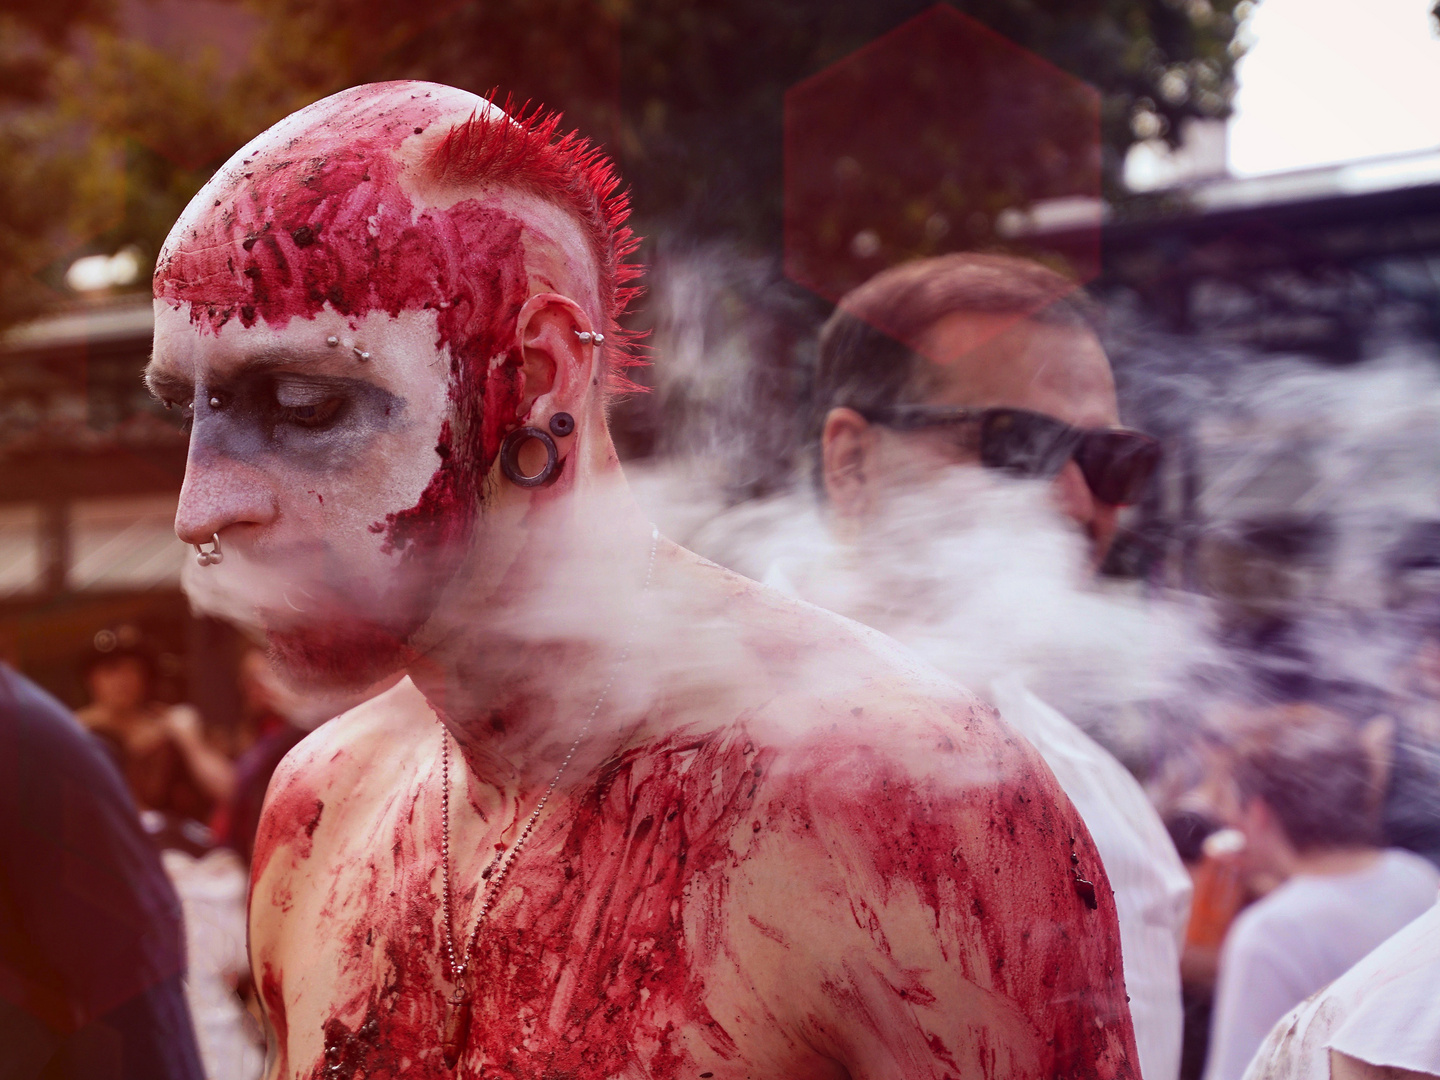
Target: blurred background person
x=1378, y=1021
x=161, y=749
x=1303, y=785
x=980, y=365
x=212, y=886
x=180, y=779
x=267, y=714
x=1210, y=855
x=91, y=954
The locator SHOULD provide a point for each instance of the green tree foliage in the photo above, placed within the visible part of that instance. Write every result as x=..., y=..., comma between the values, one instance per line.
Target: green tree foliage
x=47, y=179
x=104, y=134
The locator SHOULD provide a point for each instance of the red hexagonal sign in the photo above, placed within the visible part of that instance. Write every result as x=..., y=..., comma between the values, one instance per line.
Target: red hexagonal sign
x=939, y=136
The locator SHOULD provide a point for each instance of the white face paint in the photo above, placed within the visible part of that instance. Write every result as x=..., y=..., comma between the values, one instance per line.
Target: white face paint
x=300, y=454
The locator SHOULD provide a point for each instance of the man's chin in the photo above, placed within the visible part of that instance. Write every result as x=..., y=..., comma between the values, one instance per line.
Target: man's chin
x=340, y=656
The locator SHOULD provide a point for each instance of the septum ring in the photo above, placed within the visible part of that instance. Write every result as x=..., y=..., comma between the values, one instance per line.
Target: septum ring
x=211, y=557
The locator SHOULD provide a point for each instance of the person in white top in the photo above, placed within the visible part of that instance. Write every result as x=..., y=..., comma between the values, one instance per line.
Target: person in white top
x=1381, y=1019
x=1304, y=794
x=991, y=360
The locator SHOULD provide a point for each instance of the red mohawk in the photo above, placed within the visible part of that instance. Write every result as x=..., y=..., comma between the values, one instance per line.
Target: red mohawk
x=521, y=151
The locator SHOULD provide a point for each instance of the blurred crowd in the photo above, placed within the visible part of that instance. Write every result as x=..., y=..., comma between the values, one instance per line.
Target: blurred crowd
x=1283, y=830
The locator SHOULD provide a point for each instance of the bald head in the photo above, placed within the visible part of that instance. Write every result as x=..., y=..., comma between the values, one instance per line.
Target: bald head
x=359, y=307
x=395, y=197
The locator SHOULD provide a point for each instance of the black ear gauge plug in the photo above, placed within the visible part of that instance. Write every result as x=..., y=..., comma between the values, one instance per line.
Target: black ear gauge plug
x=562, y=424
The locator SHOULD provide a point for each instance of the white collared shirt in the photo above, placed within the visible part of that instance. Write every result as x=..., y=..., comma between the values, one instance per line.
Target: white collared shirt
x=1151, y=885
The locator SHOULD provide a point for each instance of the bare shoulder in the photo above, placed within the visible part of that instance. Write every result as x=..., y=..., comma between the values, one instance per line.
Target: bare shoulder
x=905, y=849
x=331, y=772
x=791, y=649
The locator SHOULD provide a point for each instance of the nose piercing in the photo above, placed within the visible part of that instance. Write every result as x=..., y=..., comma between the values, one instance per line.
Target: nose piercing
x=211, y=557
x=586, y=337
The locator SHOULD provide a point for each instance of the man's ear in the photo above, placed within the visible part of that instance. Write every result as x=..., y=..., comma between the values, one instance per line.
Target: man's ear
x=847, y=453
x=553, y=359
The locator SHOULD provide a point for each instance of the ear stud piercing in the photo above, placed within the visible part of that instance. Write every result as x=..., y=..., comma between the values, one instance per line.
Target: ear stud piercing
x=562, y=424
x=211, y=557
x=586, y=337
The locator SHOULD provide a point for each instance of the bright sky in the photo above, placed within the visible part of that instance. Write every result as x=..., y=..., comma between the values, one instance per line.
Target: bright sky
x=1335, y=80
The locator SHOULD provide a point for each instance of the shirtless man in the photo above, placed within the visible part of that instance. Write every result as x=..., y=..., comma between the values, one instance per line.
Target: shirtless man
x=771, y=847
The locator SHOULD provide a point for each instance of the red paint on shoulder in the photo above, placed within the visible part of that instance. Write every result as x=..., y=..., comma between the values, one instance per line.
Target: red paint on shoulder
x=992, y=862
x=290, y=820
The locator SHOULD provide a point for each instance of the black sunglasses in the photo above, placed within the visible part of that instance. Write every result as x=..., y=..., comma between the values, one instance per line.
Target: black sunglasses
x=1117, y=463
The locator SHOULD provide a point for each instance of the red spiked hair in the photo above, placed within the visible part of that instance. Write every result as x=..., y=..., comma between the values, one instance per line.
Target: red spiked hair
x=523, y=152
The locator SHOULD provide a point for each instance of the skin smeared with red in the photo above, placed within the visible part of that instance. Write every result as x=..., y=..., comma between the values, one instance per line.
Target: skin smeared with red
x=629, y=937
x=326, y=223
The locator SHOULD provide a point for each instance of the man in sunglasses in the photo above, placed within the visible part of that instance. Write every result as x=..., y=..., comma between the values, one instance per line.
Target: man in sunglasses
x=971, y=360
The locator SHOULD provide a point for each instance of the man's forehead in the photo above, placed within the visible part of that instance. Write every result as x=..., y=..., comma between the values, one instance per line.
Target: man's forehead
x=985, y=359
x=380, y=346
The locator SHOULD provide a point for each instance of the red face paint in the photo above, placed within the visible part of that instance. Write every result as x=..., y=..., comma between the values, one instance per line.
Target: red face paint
x=597, y=957
x=319, y=220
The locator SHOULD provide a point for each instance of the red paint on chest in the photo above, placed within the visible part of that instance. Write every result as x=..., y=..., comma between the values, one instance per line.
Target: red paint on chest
x=585, y=969
x=596, y=952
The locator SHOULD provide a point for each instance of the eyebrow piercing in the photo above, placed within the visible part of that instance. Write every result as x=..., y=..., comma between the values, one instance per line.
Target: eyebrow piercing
x=586, y=337
x=215, y=402
x=211, y=557
x=332, y=341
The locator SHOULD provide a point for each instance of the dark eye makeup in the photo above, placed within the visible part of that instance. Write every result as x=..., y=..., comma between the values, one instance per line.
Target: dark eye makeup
x=316, y=419
x=308, y=403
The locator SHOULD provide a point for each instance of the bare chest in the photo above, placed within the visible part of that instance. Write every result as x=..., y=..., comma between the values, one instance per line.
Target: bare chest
x=598, y=957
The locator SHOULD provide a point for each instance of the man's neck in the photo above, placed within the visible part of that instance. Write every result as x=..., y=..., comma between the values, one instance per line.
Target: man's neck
x=1334, y=862
x=531, y=631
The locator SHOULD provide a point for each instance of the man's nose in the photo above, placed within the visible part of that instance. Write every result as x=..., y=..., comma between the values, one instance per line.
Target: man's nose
x=220, y=491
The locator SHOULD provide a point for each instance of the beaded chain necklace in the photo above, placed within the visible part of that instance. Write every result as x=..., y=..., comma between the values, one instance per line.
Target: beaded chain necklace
x=457, y=1005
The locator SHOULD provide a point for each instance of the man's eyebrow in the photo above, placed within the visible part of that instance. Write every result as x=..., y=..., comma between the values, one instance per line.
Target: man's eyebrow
x=162, y=383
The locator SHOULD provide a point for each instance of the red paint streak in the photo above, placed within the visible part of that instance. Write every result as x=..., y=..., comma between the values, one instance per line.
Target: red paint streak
x=1044, y=947
x=597, y=953
x=290, y=821
x=275, y=1010
x=345, y=649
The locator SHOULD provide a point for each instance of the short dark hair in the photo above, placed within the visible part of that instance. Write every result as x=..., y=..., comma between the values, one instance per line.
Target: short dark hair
x=1310, y=767
x=868, y=358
